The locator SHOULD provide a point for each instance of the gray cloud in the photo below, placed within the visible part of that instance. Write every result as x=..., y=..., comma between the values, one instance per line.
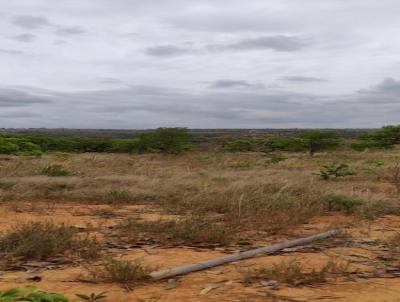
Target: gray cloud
x=166, y=51
x=26, y=38
x=388, y=86
x=30, y=22
x=234, y=84
x=11, y=52
x=190, y=48
x=387, y=91
x=110, y=81
x=304, y=79
x=11, y=97
x=67, y=31
x=277, y=43
x=36, y=22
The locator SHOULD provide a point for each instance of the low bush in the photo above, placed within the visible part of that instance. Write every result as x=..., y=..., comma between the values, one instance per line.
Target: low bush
x=43, y=240
x=37, y=240
x=164, y=140
x=124, y=271
x=335, y=170
x=30, y=294
x=348, y=204
x=55, y=171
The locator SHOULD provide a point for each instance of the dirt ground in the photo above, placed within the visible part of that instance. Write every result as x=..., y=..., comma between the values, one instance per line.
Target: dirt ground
x=372, y=272
x=224, y=283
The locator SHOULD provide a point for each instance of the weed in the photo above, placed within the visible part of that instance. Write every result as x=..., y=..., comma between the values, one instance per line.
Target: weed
x=125, y=271
x=88, y=248
x=276, y=158
x=55, y=171
x=30, y=294
x=335, y=170
x=117, y=196
x=92, y=297
x=348, y=204
x=375, y=162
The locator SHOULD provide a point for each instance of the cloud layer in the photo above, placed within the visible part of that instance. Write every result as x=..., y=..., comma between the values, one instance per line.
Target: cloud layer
x=226, y=63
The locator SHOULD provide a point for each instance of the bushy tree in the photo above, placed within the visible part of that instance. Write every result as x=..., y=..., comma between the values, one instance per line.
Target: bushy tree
x=316, y=140
x=165, y=140
x=7, y=147
x=241, y=145
x=383, y=138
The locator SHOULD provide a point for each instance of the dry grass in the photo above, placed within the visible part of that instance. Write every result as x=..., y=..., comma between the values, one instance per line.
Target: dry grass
x=120, y=271
x=246, y=190
x=295, y=273
x=193, y=230
x=44, y=240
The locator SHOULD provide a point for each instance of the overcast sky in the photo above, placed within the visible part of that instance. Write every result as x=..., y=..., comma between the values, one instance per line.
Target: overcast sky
x=199, y=64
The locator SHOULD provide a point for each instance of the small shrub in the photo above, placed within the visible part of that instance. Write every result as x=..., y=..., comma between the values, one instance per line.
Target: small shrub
x=276, y=158
x=30, y=294
x=92, y=297
x=37, y=240
x=124, y=271
x=55, y=171
x=335, y=170
x=375, y=162
x=116, y=196
x=241, y=145
x=165, y=140
x=373, y=210
x=338, y=202
x=42, y=240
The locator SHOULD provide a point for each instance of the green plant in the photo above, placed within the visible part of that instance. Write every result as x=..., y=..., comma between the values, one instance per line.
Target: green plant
x=165, y=140
x=92, y=297
x=8, y=147
x=55, y=171
x=30, y=294
x=276, y=158
x=383, y=138
x=375, y=162
x=338, y=202
x=241, y=145
x=335, y=170
x=315, y=140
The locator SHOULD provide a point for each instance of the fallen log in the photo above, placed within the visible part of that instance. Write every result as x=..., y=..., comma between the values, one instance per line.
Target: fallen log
x=188, y=268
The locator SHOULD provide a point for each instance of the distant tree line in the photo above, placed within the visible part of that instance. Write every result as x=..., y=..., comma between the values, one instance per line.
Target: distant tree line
x=162, y=140
x=178, y=140
x=314, y=141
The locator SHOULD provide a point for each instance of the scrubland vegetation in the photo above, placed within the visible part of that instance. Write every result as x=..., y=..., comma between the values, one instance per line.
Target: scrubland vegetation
x=163, y=189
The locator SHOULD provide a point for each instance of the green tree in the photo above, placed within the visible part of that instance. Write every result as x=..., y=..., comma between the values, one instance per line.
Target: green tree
x=316, y=140
x=7, y=147
x=383, y=138
x=165, y=140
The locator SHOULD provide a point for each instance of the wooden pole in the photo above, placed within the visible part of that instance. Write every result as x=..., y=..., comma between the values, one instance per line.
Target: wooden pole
x=188, y=268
